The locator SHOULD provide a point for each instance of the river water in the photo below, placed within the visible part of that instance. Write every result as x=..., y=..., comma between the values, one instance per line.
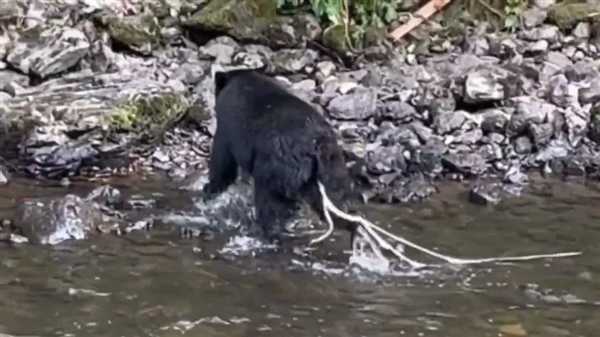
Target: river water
x=157, y=283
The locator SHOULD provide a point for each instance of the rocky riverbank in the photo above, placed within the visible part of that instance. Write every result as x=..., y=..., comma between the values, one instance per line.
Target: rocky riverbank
x=105, y=87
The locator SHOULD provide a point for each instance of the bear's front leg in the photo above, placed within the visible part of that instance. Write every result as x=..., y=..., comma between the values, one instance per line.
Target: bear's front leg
x=272, y=213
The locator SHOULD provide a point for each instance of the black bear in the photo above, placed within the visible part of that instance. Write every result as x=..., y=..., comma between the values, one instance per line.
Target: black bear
x=279, y=140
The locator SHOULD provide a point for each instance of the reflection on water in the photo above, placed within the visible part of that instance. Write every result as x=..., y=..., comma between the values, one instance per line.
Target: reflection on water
x=155, y=283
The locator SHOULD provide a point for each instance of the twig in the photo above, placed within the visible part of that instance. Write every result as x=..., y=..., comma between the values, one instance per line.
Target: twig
x=371, y=229
x=419, y=17
x=489, y=7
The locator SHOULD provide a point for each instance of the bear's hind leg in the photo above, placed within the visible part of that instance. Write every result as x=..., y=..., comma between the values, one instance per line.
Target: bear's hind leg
x=223, y=169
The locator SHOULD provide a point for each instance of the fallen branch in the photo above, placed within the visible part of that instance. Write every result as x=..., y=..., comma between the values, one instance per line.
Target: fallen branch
x=371, y=234
x=418, y=18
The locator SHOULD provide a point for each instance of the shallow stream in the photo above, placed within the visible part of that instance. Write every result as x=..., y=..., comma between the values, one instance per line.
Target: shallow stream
x=157, y=283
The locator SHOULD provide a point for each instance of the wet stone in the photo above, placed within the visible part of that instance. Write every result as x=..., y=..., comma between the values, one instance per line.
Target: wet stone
x=486, y=193
x=53, y=220
x=4, y=176
x=106, y=195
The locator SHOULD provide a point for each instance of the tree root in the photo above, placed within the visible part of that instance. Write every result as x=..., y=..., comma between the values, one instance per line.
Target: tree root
x=371, y=233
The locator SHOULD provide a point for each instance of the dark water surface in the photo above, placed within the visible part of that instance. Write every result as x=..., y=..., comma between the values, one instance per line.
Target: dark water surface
x=156, y=283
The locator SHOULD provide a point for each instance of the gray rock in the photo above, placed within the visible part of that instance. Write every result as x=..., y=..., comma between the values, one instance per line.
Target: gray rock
x=529, y=111
x=484, y=85
x=326, y=68
x=590, y=94
x=544, y=32
x=293, y=60
x=50, y=221
x=106, y=195
x=562, y=93
x=10, y=80
x=556, y=148
x=533, y=17
x=595, y=124
x=541, y=133
x=427, y=159
x=447, y=122
x=399, y=111
x=424, y=133
x=140, y=33
x=494, y=120
x=221, y=49
x=477, y=45
x=4, y=176
x=504, y=48
x=559, y=59
x=434, y=99
x=544, y=4
x=386, y=159
x=514, y=175
x=292, y=31
x=49, y=51
x=486, y=193
x=359, y=105
x=465, y=163
x=523, y=145
x=576, y=121
x=469, y=137
x=537, y=47
x=583, y=30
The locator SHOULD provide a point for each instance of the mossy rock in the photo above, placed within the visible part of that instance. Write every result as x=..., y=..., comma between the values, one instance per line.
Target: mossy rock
x=335, y=37
x=139, y=33
x=567, y=14
x=148, y=117
x=242, y=19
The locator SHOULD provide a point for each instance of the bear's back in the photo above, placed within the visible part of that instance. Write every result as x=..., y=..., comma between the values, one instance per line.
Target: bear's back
x=250, y=98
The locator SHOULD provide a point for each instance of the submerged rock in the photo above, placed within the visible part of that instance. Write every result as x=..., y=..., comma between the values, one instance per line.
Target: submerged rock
x=4, y=176
x=50, y=221
x=486, y=193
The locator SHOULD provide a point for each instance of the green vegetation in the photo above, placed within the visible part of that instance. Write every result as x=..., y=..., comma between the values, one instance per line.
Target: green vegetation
x=356, y=17
x=150, y=116
x=512, y=11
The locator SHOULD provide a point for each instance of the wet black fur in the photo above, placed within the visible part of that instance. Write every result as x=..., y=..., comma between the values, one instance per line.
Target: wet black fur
x=279, y=140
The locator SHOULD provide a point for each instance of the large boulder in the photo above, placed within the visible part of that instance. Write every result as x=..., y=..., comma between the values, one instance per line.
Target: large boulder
x=45, y=51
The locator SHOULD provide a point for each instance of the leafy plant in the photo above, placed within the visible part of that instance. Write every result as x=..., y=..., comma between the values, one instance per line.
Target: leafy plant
x=513, y=9
x=355, y=14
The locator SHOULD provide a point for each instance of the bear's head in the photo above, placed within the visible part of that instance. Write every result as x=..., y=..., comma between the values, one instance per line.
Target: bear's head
x=333, y=173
